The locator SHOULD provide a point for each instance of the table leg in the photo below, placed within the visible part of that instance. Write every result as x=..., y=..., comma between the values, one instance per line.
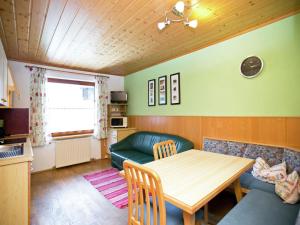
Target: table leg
x=189, y=219
x=237, y=190
x=206, y=214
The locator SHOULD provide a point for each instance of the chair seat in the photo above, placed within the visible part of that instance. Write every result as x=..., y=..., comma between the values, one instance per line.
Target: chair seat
x=175, y=215
x=261, y=208
x=250, y=182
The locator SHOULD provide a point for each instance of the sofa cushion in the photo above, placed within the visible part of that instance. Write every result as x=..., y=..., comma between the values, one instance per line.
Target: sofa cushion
x=261, y=208
x=249, y=182
x=292, y=159
x=119, y=156
x=217, y=146
x=272, y=155
x=144, y=141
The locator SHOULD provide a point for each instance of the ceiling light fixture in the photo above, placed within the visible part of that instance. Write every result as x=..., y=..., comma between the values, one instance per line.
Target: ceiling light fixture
x=162, y=25
x=192, y=23
x=179, y=11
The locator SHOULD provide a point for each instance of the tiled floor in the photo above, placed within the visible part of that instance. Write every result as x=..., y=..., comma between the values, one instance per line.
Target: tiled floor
x=64, y=197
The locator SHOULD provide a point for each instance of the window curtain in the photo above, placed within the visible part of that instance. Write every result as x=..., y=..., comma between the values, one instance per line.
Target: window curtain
x=38, y=123
x=101, y=92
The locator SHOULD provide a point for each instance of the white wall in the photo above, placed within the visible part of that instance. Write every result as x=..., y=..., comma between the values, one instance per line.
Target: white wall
x=44, y=157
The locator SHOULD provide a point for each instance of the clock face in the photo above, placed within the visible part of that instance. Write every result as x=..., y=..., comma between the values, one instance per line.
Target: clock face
x=251, y=66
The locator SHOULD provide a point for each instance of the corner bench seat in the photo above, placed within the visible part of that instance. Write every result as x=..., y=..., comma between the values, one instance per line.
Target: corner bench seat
x=249, y=182
x=261, y=205
x=272, y=155
x=261, y=208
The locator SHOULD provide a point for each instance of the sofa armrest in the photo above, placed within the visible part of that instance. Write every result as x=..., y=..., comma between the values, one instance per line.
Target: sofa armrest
x=121, y=145
x=184, y=146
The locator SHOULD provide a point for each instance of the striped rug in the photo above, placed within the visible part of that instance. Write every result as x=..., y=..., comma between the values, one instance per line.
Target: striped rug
x=111, y=185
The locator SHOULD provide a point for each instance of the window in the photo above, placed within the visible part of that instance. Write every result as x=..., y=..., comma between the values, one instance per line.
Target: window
x=70, y=107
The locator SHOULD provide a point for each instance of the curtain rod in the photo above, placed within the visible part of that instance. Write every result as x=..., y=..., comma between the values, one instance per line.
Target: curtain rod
x=66, y=70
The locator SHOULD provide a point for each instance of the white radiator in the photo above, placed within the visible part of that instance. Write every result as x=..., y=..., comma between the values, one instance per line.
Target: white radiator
x=72, y=151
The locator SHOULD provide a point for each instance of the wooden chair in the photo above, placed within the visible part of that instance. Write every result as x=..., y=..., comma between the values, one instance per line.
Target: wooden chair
x=164, y=149
x=141, y=182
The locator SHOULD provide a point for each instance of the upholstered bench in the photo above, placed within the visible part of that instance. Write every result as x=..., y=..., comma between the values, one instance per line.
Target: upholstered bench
x=138, y=147
x=272, y=155
x=261, y=205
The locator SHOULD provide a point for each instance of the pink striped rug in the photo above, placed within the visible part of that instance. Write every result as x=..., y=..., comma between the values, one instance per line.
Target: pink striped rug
x=111, y=185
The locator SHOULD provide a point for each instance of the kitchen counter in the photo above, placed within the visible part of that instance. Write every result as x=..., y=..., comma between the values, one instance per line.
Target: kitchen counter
x=15, y=186
x=27, y=155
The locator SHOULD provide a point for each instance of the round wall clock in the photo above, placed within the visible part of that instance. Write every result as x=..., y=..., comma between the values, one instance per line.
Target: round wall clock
x=251, y=66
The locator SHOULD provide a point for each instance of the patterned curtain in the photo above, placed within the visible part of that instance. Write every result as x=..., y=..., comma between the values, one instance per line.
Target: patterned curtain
x=38, y=106
x=101, y=97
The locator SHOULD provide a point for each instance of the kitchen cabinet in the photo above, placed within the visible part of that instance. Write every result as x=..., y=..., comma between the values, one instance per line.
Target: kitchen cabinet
x=15, y=187
x=11, y=88
x=3, y=77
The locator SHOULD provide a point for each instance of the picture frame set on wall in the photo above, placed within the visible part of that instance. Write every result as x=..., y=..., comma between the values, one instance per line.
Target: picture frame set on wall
x=151, y=92
x=175, y=97
x=162, y=90
x=175, y=88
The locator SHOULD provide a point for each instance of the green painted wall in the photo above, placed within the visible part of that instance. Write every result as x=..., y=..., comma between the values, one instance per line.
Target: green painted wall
x=211, y=84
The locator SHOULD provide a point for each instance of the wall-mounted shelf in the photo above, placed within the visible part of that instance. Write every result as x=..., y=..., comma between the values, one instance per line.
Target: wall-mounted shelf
x=117, y=110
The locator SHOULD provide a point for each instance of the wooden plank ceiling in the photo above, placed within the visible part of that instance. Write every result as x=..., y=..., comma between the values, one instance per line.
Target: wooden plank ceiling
x=121, y=36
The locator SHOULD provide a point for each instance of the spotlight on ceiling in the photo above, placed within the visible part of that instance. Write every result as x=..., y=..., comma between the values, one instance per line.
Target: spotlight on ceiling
x=192, y=23
x=162, y=25
x=178, y=9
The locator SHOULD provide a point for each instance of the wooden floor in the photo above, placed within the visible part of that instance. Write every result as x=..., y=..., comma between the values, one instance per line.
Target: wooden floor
x=64, y=197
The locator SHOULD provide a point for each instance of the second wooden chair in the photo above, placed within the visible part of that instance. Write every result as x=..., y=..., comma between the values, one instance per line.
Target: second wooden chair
x=164, y=149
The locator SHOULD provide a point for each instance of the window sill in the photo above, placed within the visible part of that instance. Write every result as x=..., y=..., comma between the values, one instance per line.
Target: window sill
x=71, y=137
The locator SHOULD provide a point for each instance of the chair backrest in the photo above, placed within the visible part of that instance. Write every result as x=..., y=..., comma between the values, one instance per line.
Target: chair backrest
x=164, y=149
x=143, y=183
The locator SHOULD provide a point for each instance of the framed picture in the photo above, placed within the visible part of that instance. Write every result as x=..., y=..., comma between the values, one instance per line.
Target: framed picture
x=175, y=88
x=162, y=90
x=151, y=92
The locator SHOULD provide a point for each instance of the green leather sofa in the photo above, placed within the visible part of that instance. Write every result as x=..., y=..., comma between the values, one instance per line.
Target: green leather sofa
x=138, y=147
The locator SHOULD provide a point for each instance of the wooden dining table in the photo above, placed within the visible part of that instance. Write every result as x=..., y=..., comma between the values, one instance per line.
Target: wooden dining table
x=192, y=178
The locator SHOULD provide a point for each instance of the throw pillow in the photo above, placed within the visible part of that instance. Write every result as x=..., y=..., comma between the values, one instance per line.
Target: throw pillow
x=288, y=189
x=263, y=172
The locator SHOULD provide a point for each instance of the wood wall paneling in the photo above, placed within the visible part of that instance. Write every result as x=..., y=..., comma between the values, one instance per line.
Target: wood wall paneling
x=278, y=131
x=121, y=37
x=293, y=131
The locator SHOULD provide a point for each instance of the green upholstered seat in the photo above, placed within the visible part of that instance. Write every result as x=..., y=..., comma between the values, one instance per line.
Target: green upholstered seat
x=118, y=157
x=138, y=147
x=261, y=208
x=298, y=219
x=174, y=215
